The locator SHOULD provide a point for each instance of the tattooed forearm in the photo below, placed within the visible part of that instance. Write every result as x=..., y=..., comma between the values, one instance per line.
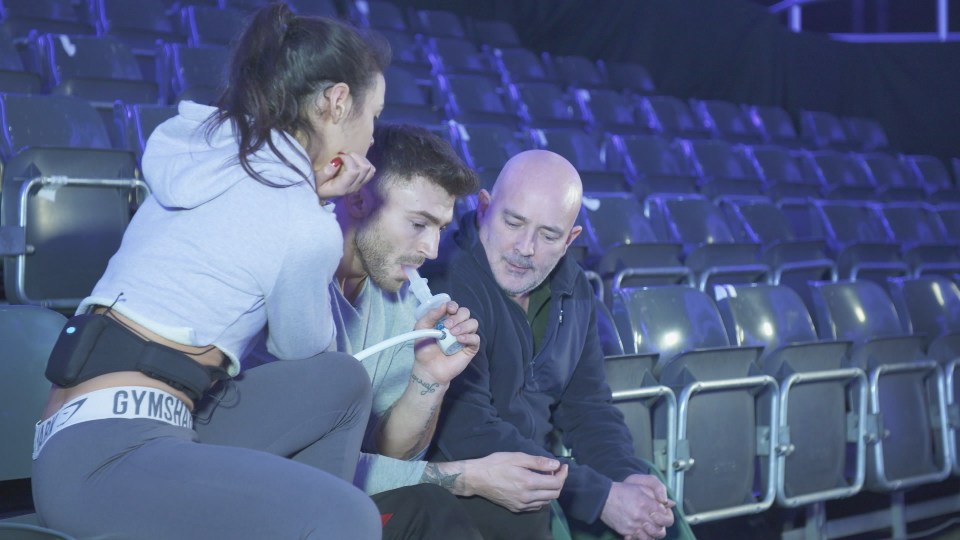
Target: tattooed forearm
x=432, y=474
x=427, y=388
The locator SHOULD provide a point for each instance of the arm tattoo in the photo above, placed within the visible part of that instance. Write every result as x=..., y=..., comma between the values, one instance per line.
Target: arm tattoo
x=433, y=475
x=427, y=388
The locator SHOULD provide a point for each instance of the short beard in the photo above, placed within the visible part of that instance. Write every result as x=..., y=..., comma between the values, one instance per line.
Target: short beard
x=375, y=257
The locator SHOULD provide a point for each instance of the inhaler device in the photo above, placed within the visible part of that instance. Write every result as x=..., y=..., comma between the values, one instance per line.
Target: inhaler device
x=448, y=342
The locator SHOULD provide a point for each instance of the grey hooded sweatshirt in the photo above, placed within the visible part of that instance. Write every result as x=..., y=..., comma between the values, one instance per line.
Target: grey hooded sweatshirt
x=212, y=256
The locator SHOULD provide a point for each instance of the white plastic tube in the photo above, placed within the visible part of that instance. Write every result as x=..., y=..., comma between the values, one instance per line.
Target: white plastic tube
x=396, y=340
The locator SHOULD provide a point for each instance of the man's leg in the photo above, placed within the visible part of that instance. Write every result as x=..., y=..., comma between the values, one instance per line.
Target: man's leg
x=424, y=512
x=497, y=523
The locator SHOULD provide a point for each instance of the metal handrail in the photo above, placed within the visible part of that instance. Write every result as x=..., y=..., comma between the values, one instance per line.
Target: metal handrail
x=795, y=22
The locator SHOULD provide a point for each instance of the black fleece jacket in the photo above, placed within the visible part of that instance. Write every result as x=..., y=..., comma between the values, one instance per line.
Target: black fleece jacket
x=509, y=399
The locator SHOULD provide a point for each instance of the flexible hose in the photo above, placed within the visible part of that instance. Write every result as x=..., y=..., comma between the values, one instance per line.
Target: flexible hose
x=396, y=340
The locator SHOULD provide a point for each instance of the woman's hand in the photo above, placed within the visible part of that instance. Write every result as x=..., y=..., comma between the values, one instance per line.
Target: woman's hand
x=346, y=173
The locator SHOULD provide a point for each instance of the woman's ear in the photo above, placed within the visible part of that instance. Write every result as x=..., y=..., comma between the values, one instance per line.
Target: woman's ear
x=334, y=102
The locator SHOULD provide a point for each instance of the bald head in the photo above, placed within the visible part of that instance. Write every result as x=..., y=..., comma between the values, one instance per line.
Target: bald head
x=527, y=223
x=543, y=176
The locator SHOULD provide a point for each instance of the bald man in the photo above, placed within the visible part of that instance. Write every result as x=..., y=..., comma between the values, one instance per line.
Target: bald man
x=540, y=364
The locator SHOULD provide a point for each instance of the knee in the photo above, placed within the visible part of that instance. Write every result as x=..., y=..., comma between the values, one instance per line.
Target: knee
x=342, y=376
x=346, y=513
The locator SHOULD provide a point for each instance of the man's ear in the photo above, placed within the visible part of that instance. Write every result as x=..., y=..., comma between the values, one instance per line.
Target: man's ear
x=574, y=233
x=483, y=203
x=359, y=204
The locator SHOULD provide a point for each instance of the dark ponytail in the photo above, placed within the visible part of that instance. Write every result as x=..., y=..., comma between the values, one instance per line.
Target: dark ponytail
x=280, y=62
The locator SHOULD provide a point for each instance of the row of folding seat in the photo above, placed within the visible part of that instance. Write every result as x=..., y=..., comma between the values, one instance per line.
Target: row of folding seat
x=746, y=398
x=690, y=239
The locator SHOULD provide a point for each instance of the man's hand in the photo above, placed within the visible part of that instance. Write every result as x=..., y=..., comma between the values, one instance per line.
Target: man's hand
x=431, y=365
x=638, y=508
x=516, y=481
x=345, y=174
x=408, y=425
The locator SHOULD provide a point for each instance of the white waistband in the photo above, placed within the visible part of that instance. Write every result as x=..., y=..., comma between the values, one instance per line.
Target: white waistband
x=116, y=402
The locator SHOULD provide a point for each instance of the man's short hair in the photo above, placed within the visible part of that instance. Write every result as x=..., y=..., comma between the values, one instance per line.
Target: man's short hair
x=401, y=152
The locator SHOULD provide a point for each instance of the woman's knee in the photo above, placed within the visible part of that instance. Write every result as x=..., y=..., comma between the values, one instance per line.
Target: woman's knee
x=344, y=512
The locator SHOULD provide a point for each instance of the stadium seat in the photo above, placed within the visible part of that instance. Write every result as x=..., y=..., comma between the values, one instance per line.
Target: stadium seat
x=657, y=165
x=935, y=177
x=866, y=133
x=322, y=8
x=609, y=111
x=66, y=199
x=906, y=406
x=476, y=99
x=671, y=117
x=135, y=123
x=858, y=241
x=775, y=123
x=487, y=147
x=452, y=55
x=437, y=23
x=408, y=52
x=383, y=15
x=195, y=73
x=139, y=24
x=575, y=71
x=727, y=120
x=718, y=391
x=545, y=105
x=642, y=400
x=931, y=305
x=206, y=25
x=783, y=173
x=723, y=170
x=841, y=175
x=821, y=129
x=14, y=78
x=21, y=17
x=895, y=179
x=520, y=65
x=924, y=243
x=793, y=261
x=28, y=334
x=710, y=250
x=587, y=155
x=812, y=463
x=629, y=77
x=622, y=247
x=407, y=101
x=493, y=33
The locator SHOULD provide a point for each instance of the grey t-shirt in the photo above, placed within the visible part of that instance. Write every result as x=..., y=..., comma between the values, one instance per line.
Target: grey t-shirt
x=377, y=315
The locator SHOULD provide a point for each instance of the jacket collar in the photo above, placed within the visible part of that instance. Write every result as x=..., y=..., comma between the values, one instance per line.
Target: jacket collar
x=467, y=238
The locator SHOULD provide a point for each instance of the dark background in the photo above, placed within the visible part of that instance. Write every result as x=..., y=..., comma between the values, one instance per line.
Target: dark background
x=735, y=50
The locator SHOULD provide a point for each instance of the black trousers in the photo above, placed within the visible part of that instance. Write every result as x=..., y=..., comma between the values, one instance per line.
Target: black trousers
x=497, y=523
x=424, y=512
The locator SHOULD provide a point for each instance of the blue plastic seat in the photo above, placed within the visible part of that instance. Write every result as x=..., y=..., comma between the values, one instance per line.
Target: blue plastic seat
x=66, y=198
x=711, y=251
x=906, y=406
x=719, y=393
x=812, y=458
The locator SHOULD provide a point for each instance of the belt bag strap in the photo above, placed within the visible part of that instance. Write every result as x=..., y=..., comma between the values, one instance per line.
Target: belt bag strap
x=93, y=345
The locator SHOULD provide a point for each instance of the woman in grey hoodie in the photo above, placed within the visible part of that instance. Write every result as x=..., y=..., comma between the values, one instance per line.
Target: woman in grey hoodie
x=237, y=238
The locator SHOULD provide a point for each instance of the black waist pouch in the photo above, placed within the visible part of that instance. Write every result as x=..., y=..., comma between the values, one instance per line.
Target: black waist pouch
x=93, y=345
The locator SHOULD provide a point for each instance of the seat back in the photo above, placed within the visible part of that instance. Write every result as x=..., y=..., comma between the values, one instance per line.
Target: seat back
x=28, y=334
x=50, y=142
x=206, y=25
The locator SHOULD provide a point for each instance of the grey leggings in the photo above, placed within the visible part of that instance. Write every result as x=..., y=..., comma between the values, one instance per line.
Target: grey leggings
x=230, y=476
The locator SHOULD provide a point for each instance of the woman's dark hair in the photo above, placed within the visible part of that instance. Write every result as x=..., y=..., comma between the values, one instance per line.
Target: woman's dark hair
x=279, y=63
